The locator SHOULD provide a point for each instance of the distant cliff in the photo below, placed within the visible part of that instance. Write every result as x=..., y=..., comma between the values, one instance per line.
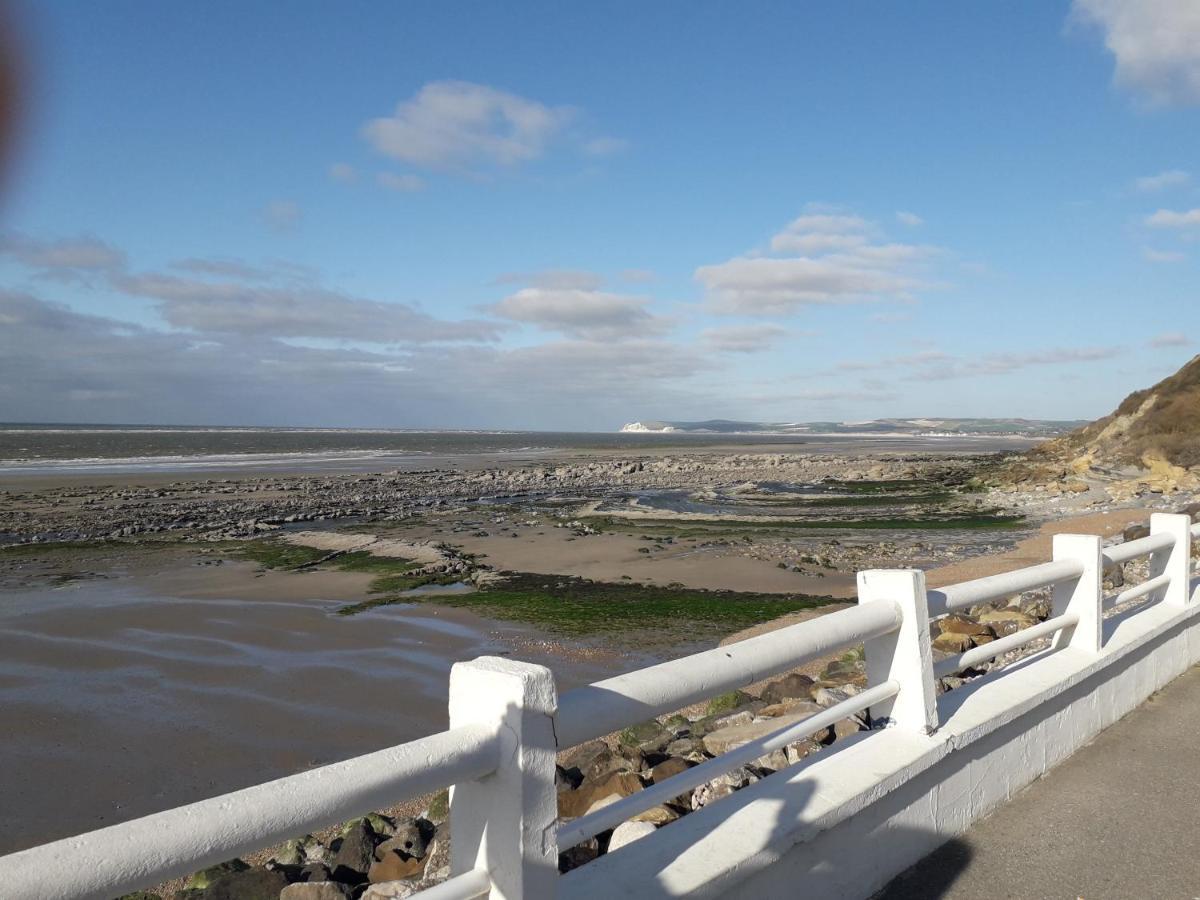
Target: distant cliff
x=918, y=426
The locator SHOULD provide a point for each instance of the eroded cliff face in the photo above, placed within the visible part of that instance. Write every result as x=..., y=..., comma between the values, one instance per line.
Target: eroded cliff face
x=1150, y=442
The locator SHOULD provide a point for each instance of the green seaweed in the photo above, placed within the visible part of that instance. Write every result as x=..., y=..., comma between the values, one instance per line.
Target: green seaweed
x=578, y=607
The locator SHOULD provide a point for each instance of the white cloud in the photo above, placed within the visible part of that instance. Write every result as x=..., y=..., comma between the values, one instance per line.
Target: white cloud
x=1156, y=45
x=587, y=314
x=1162, y=256
x=1172, y=178
x=822, y=257
x=909, y=218
x=743, y=338
x=637, y=276
x=66, y=258
x=458, y=124
x=282, y=215
x=294, y=312
x=554, y=279
x=343, y=172
x=223, y=268
x=936, y=365
x=1170, y=339
x=400, y=183
x=1170, y=218
x=605, y=146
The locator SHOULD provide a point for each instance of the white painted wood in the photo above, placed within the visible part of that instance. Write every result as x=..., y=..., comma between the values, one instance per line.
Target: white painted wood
x=904, y=655
x=1174, y=562
x=1083, y=597
x=504, y=823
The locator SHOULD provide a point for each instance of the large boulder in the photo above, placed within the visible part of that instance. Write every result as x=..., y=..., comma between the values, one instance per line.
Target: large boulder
x=646, y=737
x=316, y=890
x=627, y=833
x=573, y=804
x=734, y=736
x=205, y=877
x=355, y=854
x=790, y=687
x=1007, y=621
x=249, y=884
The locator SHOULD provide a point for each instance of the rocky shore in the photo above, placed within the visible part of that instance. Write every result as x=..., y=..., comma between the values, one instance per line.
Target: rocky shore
x=223, y=508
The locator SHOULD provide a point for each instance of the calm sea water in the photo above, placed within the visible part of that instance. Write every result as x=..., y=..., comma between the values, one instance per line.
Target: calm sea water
x=66, y=449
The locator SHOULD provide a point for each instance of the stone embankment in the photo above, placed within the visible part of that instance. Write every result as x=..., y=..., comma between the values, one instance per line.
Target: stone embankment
x=235, y=508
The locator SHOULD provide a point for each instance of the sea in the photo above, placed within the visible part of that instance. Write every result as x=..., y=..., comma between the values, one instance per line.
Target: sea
x=71, y=449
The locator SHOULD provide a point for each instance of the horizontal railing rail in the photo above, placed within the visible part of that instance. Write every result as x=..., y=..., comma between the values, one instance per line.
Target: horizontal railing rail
x=607, y=706
x=136, y=854
x=1129, y=550
x=499, y=756
x=994, y=587
x=668, y=789
x=1138, y=591
x=1000, y=646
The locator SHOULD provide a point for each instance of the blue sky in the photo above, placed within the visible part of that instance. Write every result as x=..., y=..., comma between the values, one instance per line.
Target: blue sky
x=567, y=216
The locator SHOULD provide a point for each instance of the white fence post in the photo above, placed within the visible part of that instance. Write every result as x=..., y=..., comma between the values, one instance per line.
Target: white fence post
x=905, y=655
x=1084, y=596
x=1175, y=561
x=505, y=822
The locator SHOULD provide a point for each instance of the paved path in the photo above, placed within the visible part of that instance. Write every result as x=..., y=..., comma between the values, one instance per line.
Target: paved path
x=1118, y=820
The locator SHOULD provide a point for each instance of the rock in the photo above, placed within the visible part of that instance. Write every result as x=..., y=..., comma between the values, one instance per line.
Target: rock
x=291, y=854
x=1036, y=607
x=734, y=736
x=685, y=747
x=316, y=890
x=657, y=815
x=647, y=737
x=672, y=765
x=1114, y=574
x=439, y=808
x=315, y=872
x=1007, y=621
x=390, y=890
x=826, y=697
x=576, y=803
x=678, y=725
x=576, y=857
x=602, y=764
x=581, y=756
x=773, y=761
x=627, y=833
x=722, y=786
x=844, y=728
x=205, y=877
x=799, y=750
x=393, y=865
x=249, y=884
x=727, y=702
x=953, y=624
x=791, y=687
x=952, y=642
x=1135, y=532
x=410, y=836
x=356, y=854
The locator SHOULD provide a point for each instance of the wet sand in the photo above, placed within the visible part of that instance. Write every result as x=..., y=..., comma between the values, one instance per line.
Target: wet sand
x=125, y=695
x=608, y=557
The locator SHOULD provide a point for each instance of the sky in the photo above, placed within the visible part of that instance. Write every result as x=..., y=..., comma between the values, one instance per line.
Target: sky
x=573, y=216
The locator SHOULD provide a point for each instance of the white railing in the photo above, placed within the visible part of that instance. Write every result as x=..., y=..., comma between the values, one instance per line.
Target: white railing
x=507, y=724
